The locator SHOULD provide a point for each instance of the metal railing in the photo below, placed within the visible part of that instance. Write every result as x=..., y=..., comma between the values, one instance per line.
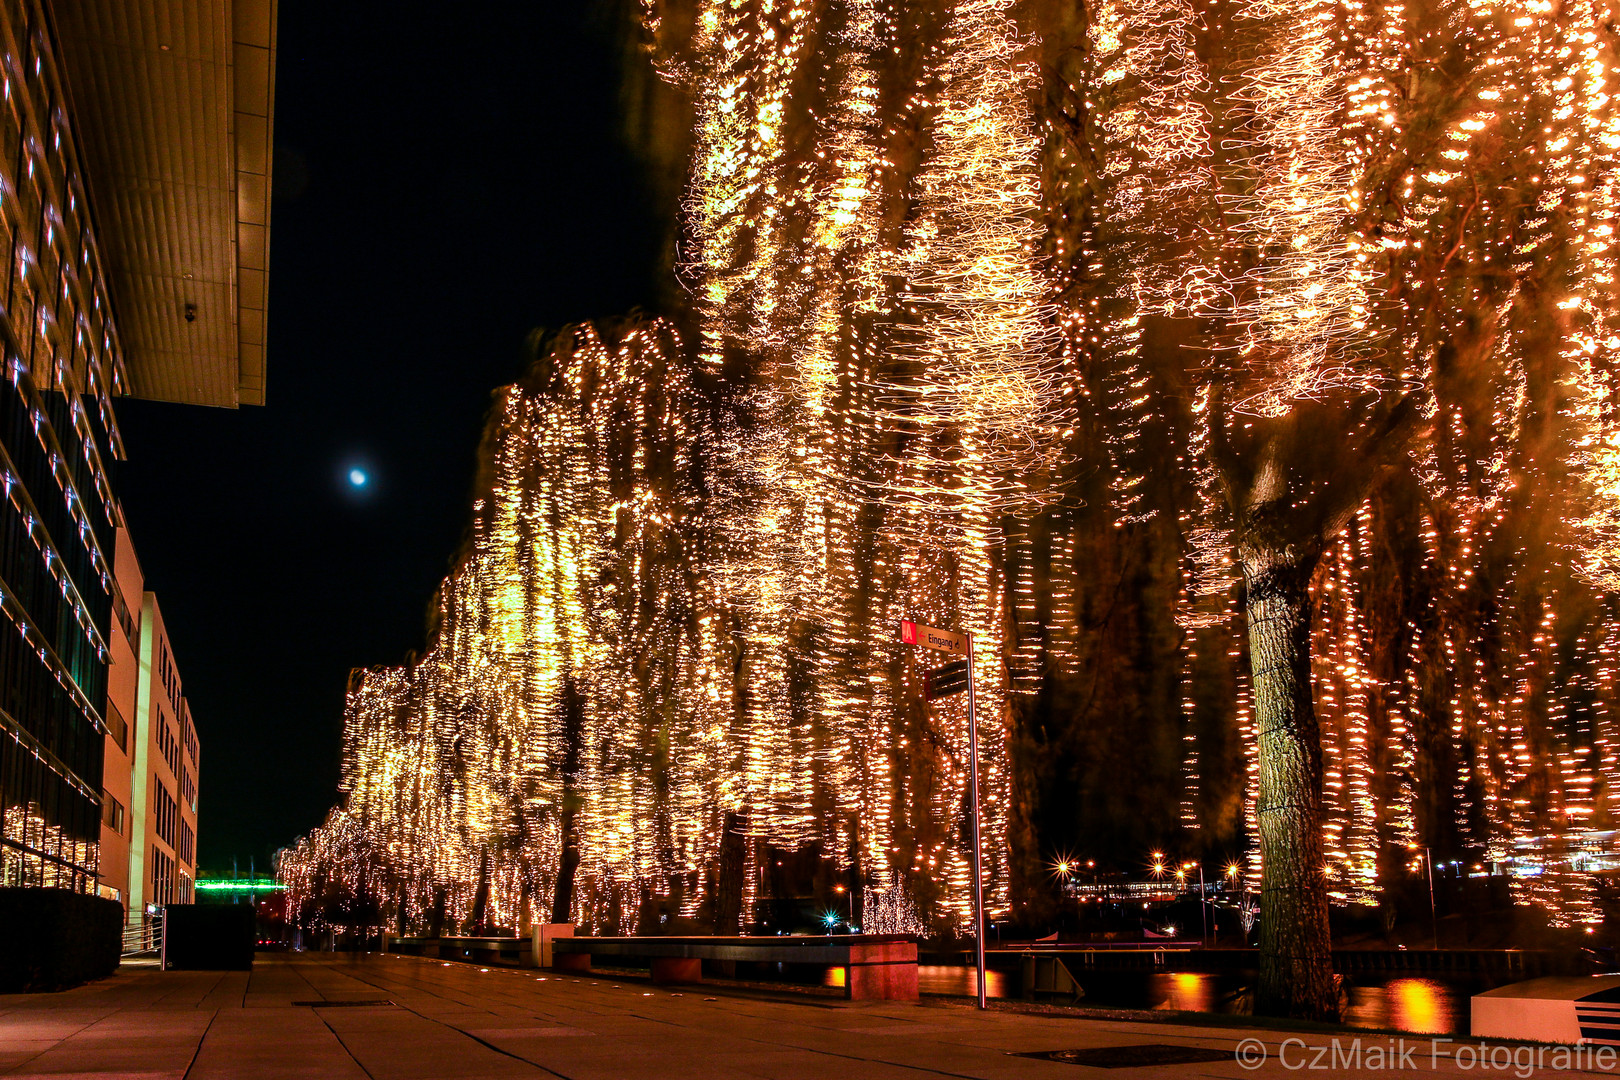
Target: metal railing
x=143, y=934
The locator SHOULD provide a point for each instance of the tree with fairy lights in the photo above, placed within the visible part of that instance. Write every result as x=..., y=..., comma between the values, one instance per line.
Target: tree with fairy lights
x=1334, y=244
x=1335, y=278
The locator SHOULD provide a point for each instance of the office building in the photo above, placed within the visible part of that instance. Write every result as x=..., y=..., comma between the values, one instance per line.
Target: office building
x=118, y=822
x=134, y=213
x=150, y=772
x=163, y=835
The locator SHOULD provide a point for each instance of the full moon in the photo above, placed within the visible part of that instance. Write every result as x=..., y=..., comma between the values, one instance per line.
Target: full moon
x=358, y=477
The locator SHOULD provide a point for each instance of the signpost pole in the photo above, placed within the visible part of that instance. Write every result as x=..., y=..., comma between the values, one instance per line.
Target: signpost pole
x=973, y=786
x=942, y=682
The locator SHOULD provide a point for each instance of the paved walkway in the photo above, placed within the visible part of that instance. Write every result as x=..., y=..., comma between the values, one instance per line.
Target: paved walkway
x=459, y=1021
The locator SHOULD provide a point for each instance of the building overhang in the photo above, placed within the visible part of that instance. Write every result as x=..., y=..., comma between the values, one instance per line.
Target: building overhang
x=173, y=102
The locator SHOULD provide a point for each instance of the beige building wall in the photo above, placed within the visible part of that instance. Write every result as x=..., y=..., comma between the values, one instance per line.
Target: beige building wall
x=123, y=683
x=163, y=789
x=149, y=779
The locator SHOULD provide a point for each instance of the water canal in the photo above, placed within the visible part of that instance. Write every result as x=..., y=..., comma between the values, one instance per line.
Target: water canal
x=1420, y=1004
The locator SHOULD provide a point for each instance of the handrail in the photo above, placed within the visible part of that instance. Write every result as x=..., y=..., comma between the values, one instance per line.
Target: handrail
x=144, y=935
x=1173, y=944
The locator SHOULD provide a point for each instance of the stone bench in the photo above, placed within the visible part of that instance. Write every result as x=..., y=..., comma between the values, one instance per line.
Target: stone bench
x=512, y=951
x=877, y=967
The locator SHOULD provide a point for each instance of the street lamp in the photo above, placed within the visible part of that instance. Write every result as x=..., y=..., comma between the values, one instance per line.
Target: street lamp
x=1203, y=913
x=1434, y=918
x=1233, y=870
x=1064, y=869
x=851, y=922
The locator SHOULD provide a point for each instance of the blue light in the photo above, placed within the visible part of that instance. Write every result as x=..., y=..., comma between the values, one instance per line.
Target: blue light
x=358, y=477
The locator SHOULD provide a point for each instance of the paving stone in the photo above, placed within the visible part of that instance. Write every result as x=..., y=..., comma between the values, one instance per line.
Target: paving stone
x=460, y=1022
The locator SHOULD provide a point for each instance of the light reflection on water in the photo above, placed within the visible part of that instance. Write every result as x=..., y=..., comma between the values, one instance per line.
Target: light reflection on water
x=1424, y=1006
x=1418, y=1005
x=948, y=979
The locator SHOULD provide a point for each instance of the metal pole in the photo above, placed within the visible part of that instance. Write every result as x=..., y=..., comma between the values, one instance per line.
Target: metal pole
x=1203, y=912
x=1434, y=919
x=973, y=792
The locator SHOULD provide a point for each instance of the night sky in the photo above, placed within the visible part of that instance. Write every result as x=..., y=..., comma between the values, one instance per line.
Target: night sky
x=446, y=179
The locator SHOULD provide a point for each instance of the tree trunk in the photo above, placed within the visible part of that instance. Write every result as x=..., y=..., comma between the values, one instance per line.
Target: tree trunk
x=1296, y=958
x=728, y=892
x=436, y=917
x=573, y=725
x=480, y=898
x=562, y=901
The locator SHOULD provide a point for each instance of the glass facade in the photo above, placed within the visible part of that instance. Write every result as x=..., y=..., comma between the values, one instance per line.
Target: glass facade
x=58, y=516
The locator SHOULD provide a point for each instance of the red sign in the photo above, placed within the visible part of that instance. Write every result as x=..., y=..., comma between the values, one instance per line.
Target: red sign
x=932, y=637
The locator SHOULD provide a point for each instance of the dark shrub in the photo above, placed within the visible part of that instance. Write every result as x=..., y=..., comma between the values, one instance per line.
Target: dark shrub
x=56, y=939
x=208, y=937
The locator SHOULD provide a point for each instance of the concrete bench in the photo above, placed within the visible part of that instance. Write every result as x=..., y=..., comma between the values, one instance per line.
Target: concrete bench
x=877, y=967
x=494, y=950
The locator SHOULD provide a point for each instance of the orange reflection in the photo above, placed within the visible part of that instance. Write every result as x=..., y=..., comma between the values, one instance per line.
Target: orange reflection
x=1194, y=993
x=950, y=979
x=1417, y=1005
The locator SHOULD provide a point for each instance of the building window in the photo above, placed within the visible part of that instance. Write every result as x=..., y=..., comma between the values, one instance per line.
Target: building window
x=164, y=808
x=118, y=727
x=162, y=877
x=112, y=813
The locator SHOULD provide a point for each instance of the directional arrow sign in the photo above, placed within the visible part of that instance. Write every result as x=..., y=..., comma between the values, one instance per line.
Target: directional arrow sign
x=945, y=681
x=934, y=638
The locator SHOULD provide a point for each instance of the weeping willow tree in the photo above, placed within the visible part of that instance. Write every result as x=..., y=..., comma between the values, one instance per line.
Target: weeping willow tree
x=1379, y=239
x=1237, y=372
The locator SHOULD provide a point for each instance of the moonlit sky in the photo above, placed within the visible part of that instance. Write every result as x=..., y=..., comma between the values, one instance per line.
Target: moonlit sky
x=444, y=182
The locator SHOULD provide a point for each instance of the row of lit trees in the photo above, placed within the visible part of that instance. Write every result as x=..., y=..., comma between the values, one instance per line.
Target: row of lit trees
x=1378, y=238
x=1284, y=252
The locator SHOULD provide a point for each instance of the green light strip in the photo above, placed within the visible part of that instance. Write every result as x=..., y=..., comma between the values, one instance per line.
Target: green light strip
x=244, y=885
